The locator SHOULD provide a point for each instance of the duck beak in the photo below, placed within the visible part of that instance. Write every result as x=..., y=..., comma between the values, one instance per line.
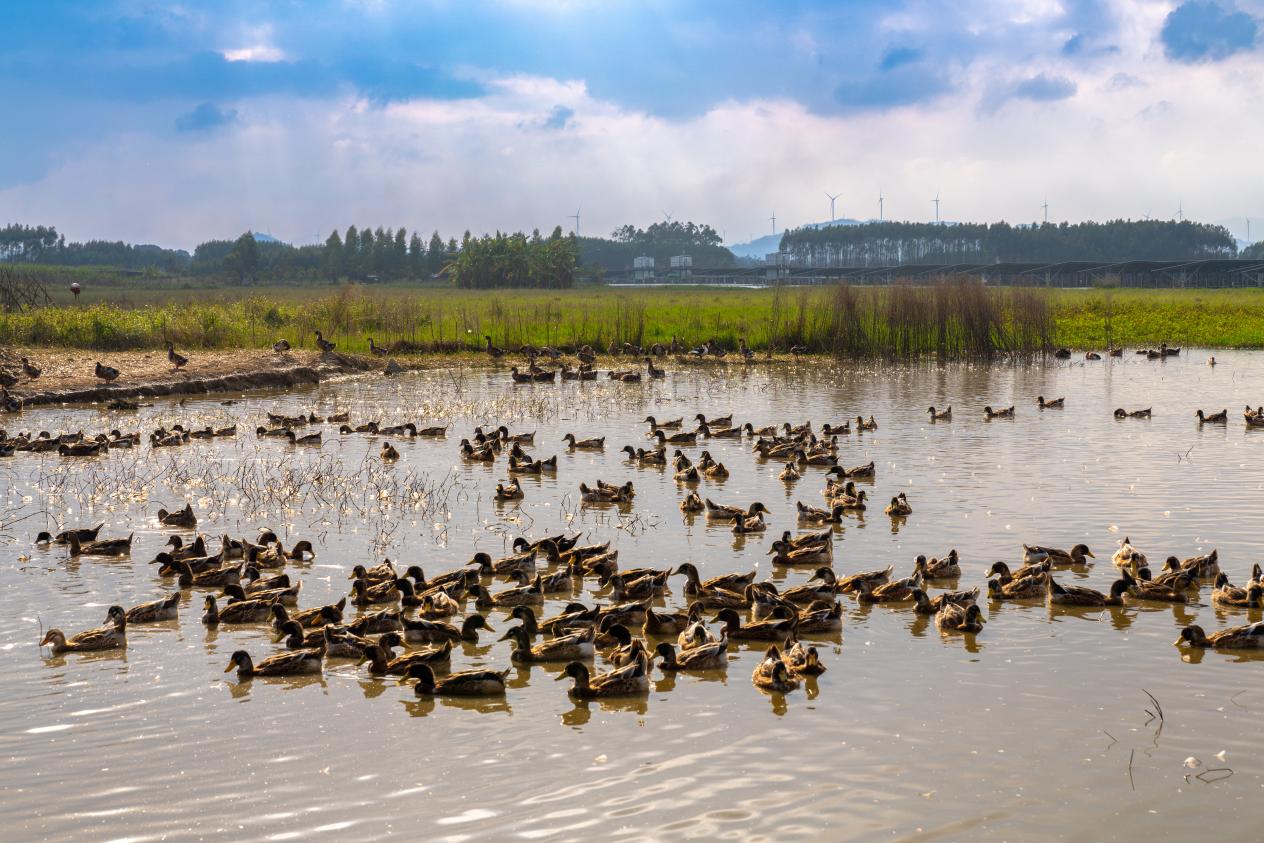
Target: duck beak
x=403, y=680
x=230, y=667
x=1178, y=642
x=561, y=676
x=1090, y=554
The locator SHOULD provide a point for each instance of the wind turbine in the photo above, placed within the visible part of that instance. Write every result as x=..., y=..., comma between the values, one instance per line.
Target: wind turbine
x=880, y=208
x=575, y=217
x=831, y=199
x=1046, y=207
x=774, y=222
x=1180, y=210
x=936, y=201
x=667, y=217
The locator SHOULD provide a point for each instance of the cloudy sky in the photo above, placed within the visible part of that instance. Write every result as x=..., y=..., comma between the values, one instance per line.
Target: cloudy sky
x=171, y=123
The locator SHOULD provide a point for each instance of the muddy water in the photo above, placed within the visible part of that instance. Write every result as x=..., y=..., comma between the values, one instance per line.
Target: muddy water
x=1038, y=726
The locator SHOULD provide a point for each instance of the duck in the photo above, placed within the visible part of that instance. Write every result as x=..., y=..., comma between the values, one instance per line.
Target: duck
x=899, y=507
x=568, y=647
x=940, y=415
x=101, y=547
x=1248, y=637
x=1202, y=567
x=898, y=591
x=606, y=493
x=178, y=361
x=1004, y=413
x=526, y=592
x=595, y=444
x=815, y=515
x=179, y=518
x=1007, y=587
x=652, y=370
x=109, y=374
x=688, y=437
x=627, y=681
x=692, y=503
x=1121, y=413
x=309, y=439
x=812, y=554
x=709, y=656
x=84, y=534
x=383, y=620
x=938, y=569
x=239, y=612
x=166, y=609
x=790, y=474
x=389, y=452
x=313, y=618
x=1225, y=594
x=112, y=636
x=432, y=632
x=1221, y=417
x=773, y=629
x=510, y=491
x=657, y=456
x=1053, y=404
x=1144, y=589
x=724, y=512
x=695, y=584
x=866, y=426
x=958, y=618
x=382, y=662
x=854, y=583
x=850, y=503
x=1078, y=595
x=803, y=661
x=377, y=350
x=859, y=471
x=1092, y=355
x=626, y=649
x=924, y=604
x=31, y=371
x=465, y=683
x=668, y=424
x=667, y=623
x=772, y=674
x=716, y=471
x=281, y=346
x=293, y=663
x=286, y=595
x=1034, y=554
x=323, y=344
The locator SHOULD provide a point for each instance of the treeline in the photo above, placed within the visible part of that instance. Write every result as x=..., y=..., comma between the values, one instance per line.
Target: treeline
x=514, y=260
x=661, y=241
x=889, y=243
x=42, y=244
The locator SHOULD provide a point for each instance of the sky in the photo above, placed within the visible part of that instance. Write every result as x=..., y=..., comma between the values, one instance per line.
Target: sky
x=173, y=123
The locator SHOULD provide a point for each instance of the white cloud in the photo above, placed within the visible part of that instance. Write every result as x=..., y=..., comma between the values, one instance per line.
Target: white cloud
x=302, y=167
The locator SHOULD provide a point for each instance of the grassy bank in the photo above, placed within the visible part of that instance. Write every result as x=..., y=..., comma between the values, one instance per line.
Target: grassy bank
x=956, y=319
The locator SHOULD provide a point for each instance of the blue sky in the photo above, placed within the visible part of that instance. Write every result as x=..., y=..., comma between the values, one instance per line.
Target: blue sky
x=167, y=122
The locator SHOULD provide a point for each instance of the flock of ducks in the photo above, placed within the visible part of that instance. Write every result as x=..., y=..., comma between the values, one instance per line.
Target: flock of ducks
x=408, y=626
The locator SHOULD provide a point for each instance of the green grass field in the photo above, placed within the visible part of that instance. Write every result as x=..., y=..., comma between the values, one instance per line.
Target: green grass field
x=908, y=320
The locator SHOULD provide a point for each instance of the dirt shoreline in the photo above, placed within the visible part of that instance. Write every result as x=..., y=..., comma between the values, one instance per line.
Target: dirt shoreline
x=67, y=375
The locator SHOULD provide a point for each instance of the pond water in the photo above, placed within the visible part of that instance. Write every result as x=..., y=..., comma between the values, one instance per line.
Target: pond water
x=1039, y=726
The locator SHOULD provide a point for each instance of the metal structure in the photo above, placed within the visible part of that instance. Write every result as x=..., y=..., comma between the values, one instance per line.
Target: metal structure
x=779, y=269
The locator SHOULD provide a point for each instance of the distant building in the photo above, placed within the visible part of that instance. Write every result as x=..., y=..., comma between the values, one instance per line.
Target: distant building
x=681, y=266
x=778, y=264
x=643, y=268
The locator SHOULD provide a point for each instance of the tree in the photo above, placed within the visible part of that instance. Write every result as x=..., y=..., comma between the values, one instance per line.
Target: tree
x=334, y=255
x=416, y=256
x=244, y=258
x=364, y=260
x=436, y=255
x=351, y=251
x=399, y=253
x=1254, y=252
